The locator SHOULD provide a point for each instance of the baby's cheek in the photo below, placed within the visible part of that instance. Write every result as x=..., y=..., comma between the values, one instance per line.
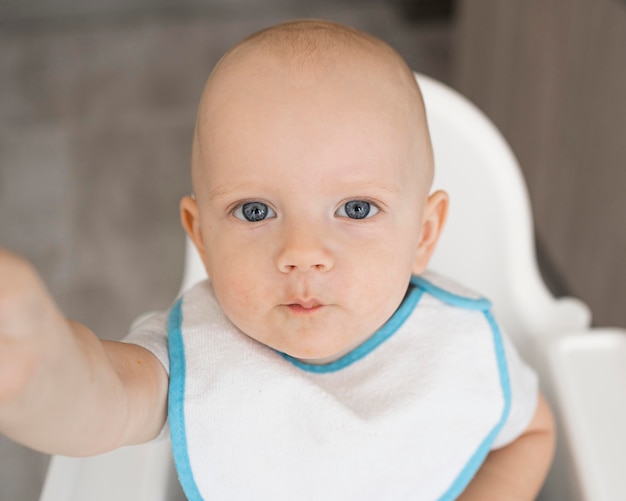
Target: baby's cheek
x=239, y=297
x=391, y=278
x=234, y=294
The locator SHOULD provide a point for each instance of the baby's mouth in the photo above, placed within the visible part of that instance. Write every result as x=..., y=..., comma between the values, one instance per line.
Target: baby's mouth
x=304, y=307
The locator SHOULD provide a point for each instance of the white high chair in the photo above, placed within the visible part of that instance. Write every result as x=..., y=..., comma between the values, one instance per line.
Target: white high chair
x=488, y=245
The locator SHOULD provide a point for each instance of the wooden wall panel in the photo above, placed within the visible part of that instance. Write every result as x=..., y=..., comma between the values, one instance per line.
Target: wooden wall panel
x=552, y=75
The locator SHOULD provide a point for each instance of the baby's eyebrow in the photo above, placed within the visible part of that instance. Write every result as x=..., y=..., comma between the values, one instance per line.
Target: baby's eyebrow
x=372, y=185
x=228, y=189
x=391, y=188
x=351, y=187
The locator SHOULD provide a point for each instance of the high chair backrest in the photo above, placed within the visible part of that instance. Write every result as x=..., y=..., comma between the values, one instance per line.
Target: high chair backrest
x=488, y=241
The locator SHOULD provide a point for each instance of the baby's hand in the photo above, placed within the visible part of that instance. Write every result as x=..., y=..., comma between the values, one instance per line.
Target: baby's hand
x=29, y=320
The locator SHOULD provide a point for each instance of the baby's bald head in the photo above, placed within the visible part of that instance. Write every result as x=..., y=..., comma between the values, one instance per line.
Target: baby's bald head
x=312, y=54
x=312, y=46
x=312, y=168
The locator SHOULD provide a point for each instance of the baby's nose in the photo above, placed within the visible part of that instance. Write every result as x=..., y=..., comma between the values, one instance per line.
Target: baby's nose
x=304, y=248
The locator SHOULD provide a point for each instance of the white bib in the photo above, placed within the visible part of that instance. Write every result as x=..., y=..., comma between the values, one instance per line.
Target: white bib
x=410, y=414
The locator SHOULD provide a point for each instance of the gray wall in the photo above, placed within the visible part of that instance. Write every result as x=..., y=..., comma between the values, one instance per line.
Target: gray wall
x=552, y=75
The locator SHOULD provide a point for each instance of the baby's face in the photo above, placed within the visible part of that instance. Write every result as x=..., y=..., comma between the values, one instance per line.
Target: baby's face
x=310, y=205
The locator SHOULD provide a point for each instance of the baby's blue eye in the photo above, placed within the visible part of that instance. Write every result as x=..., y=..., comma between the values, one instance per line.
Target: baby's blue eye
x=254, y=212
x=357, y=209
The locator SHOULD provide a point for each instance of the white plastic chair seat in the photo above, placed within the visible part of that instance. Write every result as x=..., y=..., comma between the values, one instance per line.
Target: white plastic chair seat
x=589, y=382
x=141, y=473
x=488, y=245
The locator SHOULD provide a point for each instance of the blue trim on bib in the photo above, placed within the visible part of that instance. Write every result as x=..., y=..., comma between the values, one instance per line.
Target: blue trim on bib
x=175, y=404
x=379, y=337
x=393, y=324
x=178, y=371
x=446, y=296
x=484, y=305
x=478, y=458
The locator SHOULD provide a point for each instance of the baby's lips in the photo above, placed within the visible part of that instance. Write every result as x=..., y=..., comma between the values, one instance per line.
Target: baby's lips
x=304, y=306
x=306, y=303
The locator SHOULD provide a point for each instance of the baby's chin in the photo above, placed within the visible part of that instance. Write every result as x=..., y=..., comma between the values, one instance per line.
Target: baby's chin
x=321, y=355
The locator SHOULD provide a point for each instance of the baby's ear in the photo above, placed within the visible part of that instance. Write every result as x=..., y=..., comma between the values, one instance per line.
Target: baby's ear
x=190, y=219
x=433, y=221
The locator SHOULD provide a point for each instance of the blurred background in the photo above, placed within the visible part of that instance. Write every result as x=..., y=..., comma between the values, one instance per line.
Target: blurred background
x=97, y=107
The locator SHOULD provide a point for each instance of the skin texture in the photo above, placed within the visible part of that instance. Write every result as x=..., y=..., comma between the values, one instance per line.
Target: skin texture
x=303, y=120
x=296, y=281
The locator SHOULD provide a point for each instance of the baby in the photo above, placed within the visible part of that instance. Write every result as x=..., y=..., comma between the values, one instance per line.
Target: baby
x=320, y=360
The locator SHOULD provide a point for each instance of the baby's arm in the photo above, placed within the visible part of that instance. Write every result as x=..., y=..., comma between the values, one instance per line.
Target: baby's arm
x=62, y=390
x=517, y=471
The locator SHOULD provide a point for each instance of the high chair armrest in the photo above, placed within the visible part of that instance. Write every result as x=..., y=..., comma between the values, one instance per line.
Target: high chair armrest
x=137, y=473
x=588, y=373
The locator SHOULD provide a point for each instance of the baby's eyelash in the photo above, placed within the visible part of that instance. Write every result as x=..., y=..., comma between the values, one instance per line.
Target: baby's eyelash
x=253, y=211
x=358, y=209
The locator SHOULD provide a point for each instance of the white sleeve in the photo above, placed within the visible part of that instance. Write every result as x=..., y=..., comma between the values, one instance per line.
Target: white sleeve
x=150, y=332
x=524, y=388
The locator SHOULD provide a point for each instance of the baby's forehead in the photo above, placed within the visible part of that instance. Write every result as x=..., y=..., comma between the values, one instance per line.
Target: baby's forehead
x=311, y=55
